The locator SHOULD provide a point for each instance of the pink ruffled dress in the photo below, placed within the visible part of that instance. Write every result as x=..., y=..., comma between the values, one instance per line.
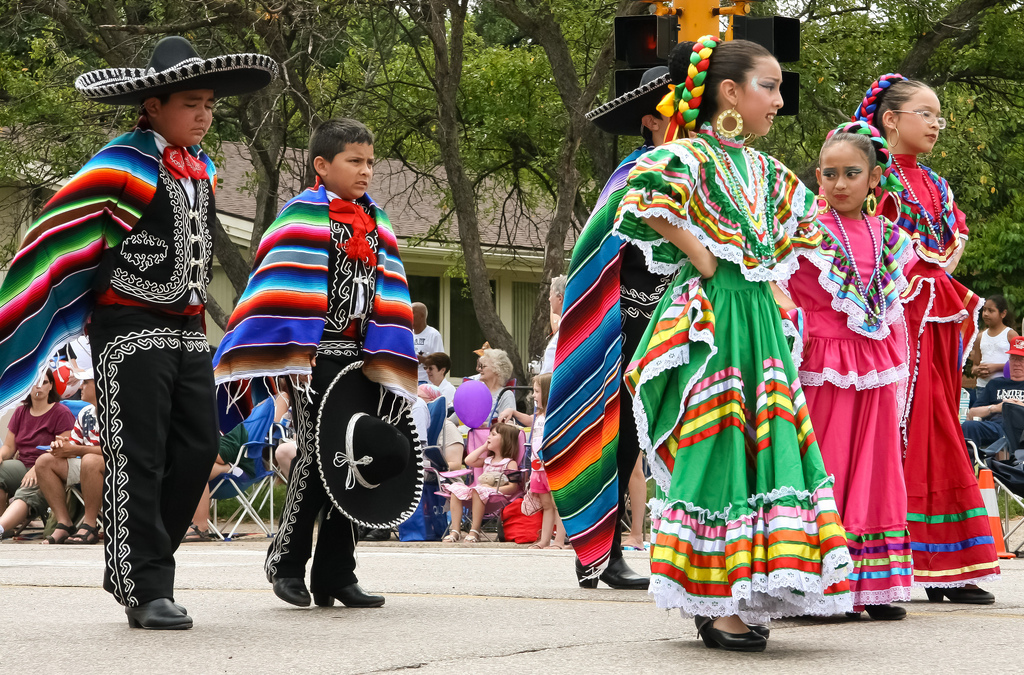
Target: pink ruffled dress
x=465, y=492
x=853, y=370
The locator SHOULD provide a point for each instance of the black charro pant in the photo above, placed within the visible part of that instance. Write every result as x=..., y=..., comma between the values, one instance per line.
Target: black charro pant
x=158, y=431
x=629, y=446
x=334, y=563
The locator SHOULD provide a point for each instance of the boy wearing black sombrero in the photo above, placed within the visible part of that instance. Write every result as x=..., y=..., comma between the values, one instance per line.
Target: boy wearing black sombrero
x=603, y=265
x=126, y=245
x=328, y=305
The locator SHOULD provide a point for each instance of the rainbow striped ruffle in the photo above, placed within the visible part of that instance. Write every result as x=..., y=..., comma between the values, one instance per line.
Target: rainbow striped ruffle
x=787, y=558
x=883, y=567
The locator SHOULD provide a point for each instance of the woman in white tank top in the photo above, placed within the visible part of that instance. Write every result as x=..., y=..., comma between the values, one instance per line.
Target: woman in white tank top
x=995, y=340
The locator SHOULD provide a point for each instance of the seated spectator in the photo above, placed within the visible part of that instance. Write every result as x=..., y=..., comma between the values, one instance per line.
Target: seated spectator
x=438, y=365
x=984, y=423
x=497, y=456
x=495, y=372
x=453, y=445
x=555, y=298
x=284, y=455
x=77, y=460
x=35, y=424
x=227, y=452
x=990, y=351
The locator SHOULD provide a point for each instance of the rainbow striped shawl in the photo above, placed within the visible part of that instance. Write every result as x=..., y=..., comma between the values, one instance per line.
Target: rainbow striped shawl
x=582, y=424
x=47, y=294
x=279, y=320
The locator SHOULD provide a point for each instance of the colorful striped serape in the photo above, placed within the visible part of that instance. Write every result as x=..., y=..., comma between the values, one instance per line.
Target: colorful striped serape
x=279, y=320
x=582, y=424
x=47, y=294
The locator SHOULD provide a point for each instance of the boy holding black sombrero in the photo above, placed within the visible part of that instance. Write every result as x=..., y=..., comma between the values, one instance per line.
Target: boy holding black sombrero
x=328, y=305
x=127, y=246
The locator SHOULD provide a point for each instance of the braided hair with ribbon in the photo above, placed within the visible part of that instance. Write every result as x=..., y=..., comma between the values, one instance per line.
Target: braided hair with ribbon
x=890, y=180
x=873, y=98
x=681, y=104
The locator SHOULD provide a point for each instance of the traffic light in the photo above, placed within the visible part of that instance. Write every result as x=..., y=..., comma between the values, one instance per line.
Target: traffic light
x=780, y=35
x=641, y=42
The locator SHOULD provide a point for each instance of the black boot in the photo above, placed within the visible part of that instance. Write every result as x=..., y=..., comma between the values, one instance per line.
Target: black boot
x=159, y=614
x=964, y=596
x=886, y=612
x=350, y=596
x=618, y=575
x=292, y=590
x=719, y=639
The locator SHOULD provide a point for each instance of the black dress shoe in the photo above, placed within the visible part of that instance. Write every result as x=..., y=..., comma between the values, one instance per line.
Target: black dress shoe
x=179, y=608
x=964, y=596
x=350, y=596
x=159, y=614
x=763, y=631
x=581, y=576
x=618, y=575
x=886, y=612
x=292, y=591
x=719, y=639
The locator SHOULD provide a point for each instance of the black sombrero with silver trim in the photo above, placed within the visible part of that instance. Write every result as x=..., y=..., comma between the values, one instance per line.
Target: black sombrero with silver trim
x=622, y=116
x=367, y=451
x=175, y=66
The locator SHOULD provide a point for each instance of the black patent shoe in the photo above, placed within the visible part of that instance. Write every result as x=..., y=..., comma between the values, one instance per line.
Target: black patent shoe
x=159, y=614
x=886, y=612
x=618, y=575
x=719, y=639
x=292, y=591
x=350, y=596
x=763, y=631
x=964, y=596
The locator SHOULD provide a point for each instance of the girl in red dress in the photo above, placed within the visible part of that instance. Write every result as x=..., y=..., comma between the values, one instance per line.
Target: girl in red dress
x=952, y=543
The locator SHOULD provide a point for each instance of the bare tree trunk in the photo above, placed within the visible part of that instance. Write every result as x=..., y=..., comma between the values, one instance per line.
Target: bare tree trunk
x=448, y=57
x=953, y=25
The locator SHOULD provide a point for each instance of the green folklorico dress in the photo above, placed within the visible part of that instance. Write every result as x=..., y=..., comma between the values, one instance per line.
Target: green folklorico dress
x=744, y=521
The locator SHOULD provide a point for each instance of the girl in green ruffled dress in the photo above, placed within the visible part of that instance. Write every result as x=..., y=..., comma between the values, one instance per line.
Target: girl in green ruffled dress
x=745, y=527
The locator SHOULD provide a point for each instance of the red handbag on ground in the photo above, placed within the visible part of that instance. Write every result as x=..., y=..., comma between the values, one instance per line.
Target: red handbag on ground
x=517, y=527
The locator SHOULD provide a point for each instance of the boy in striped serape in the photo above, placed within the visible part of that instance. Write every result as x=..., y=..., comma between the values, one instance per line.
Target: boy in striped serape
x=327, y=295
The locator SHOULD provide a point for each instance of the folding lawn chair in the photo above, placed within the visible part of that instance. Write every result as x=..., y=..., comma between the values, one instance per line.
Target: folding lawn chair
x=248, y=489
x=1008, y=476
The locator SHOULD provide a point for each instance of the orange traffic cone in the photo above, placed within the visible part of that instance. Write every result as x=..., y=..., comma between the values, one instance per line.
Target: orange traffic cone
x=988, y=493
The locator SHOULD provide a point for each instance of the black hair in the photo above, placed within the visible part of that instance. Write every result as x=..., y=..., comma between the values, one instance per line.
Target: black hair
x=859, y=141
x=331, y=137
x=1002, y=306
x=893, y=97
x=731, y=60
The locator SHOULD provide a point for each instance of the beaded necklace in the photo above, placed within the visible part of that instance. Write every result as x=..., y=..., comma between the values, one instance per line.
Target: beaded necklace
x=936, y=229
x=754, y=222
x=872, y=302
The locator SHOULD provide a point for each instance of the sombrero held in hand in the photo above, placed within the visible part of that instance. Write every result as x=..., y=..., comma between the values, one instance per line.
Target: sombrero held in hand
x=175, y=66
x=367, y=451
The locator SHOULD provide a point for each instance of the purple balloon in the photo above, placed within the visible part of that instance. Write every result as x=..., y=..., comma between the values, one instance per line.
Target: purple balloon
x=472, y=403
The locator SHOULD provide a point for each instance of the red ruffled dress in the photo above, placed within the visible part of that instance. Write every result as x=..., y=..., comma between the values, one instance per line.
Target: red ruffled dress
x=853, y=370
x=952, y=542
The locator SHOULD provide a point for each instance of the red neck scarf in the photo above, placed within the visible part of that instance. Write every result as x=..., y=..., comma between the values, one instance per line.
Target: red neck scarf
x=181, y=164
x=355, y=247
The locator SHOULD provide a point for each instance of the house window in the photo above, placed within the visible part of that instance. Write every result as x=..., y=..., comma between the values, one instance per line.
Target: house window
x=524, y=297
x=465, y=330
x=428, y=291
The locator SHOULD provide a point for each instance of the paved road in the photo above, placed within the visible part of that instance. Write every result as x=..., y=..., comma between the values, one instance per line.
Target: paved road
x=465, y=609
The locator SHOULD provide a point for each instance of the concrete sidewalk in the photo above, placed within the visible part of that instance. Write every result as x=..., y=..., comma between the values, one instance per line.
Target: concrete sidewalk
x=460, y=609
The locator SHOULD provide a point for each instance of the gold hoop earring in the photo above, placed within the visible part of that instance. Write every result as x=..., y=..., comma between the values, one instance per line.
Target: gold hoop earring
x=737, y=120
x=892, y=146
x=824, y=201
x=749, y=138
x=871, y=204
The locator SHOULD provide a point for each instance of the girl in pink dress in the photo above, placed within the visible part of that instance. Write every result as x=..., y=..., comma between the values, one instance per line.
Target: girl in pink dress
x=497, y=456
x=854, y=367
x=954, y=549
